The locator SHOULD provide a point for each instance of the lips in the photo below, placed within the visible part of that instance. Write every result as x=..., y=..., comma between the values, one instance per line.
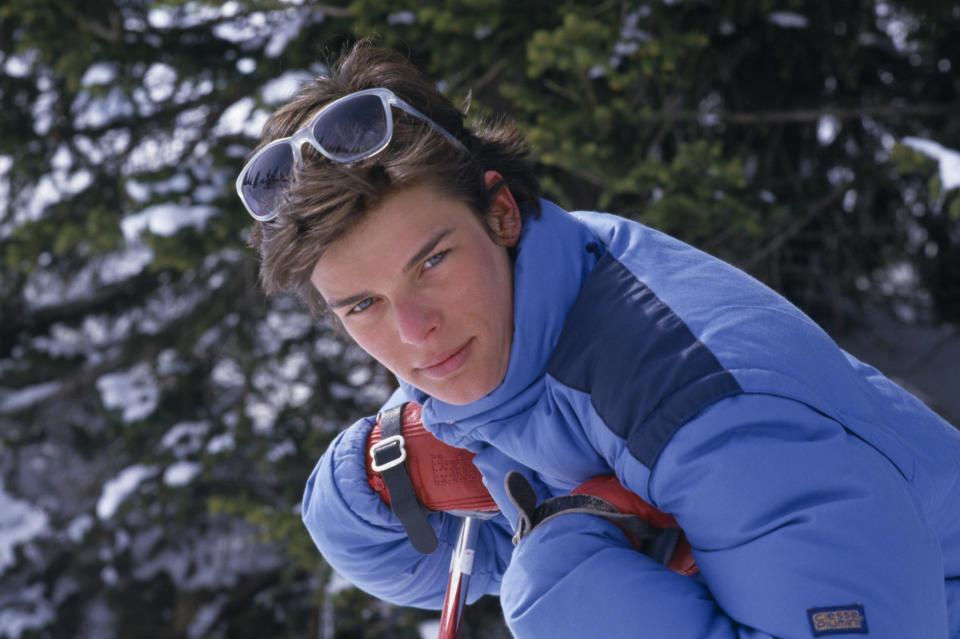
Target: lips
x=447, y=363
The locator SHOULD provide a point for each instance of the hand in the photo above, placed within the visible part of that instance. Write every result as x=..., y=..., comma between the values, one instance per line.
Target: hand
x=649, y=530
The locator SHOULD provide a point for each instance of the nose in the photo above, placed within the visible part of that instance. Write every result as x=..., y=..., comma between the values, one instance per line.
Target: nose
x=416, y=320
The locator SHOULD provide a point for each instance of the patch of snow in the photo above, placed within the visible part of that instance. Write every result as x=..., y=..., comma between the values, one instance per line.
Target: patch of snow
x=161, y=18
x=828, y=127
x=788, y=20
x=62, y=159
x=99, y=73
x=236, y=31
x=898, y=27
x=78, y=527
x=262, y=414
x=229, y=9
x=51, y=188
x=162, y=149
x=284, y=32
x=948, y=159
x=281, y=450
x=109, y=576
x=176, y=183
x=165, y=219
x=22, y=610
x=287, y=383
x=234, y=117
x=96, y=112
x=482, y=32
x=216, y=559
x=299, y=394
x=429, y=629
x=27, y=396
x=19, y=65
x=95, y=333
x=246, y=66
x=185, y=438
x=134, y=391
x=850, y=200
x=293, y=365
x=160, y=81
x=170, y=363
x=122, y=265
x=181, y=473
x=840, y=175
x=228, y=374
x=292, y=325
x=133, y=23
x=898, y=277
x=337, y=583
x=113, y=143
x=116, y=490
x=359, y=376
x=45, y=288
x=282, y=88
x=221, y=443
x=205, y=617
x=596, y=71
x=20, y=522
x=192, y=89
x=402, y=17
x=98, y=620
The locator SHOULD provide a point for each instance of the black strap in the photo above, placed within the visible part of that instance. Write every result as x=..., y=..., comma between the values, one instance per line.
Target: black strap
x=658, y=543
x=389, y=459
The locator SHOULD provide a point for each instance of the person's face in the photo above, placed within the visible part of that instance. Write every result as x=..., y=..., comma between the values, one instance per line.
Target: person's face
x=420, y=285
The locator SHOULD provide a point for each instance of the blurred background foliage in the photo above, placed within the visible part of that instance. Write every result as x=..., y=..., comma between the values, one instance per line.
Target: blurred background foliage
x=159, y=416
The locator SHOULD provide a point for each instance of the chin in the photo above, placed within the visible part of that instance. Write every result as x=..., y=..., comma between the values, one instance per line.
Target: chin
x=459, y=396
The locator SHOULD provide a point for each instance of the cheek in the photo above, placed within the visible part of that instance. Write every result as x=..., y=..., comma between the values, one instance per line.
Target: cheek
x=502, y=293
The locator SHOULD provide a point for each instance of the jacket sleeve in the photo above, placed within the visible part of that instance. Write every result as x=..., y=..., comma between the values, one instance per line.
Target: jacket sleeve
x=798, y=528
x=361, y=538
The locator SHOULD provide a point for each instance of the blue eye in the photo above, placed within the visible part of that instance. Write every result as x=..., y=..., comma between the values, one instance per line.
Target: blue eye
x=361, y=307
x=433, y=260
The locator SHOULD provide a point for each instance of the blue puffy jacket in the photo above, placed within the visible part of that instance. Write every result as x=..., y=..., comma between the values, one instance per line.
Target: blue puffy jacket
x=818, y=496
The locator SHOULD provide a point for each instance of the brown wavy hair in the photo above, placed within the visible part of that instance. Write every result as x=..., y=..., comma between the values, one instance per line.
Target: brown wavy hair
x=325, y=200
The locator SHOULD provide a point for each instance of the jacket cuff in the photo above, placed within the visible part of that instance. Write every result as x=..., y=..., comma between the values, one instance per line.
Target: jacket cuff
x=338, y=501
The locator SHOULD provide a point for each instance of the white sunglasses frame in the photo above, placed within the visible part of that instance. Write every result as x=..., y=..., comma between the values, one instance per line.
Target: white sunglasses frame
x=305, y=134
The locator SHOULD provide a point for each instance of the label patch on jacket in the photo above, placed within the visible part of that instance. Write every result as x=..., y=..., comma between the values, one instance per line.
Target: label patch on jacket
x=837, y=620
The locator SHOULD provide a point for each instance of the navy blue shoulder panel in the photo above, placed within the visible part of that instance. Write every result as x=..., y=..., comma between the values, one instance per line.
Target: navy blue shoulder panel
x=644, y=370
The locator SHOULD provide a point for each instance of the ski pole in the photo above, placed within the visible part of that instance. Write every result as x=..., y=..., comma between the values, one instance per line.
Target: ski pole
x=461, y=567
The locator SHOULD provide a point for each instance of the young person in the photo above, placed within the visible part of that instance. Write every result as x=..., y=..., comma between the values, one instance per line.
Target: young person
x=819, y=498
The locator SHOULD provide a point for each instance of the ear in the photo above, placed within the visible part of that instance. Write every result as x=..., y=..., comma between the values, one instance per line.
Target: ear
x=503, y=217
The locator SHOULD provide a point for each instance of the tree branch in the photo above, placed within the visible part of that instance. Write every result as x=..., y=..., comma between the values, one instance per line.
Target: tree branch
x=806, y=115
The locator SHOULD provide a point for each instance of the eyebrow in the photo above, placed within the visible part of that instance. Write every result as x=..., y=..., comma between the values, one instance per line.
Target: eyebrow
x=424, y=252
x=427, y=248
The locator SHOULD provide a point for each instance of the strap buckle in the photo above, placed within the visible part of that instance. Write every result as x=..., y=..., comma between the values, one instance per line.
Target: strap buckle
x=382, y=446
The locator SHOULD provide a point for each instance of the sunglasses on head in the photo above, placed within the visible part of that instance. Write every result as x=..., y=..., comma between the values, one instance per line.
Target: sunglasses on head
x=352, y=128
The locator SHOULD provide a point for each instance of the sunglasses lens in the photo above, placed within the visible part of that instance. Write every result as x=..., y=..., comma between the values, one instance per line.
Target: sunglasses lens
x=266, y=178
x=352, y=128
